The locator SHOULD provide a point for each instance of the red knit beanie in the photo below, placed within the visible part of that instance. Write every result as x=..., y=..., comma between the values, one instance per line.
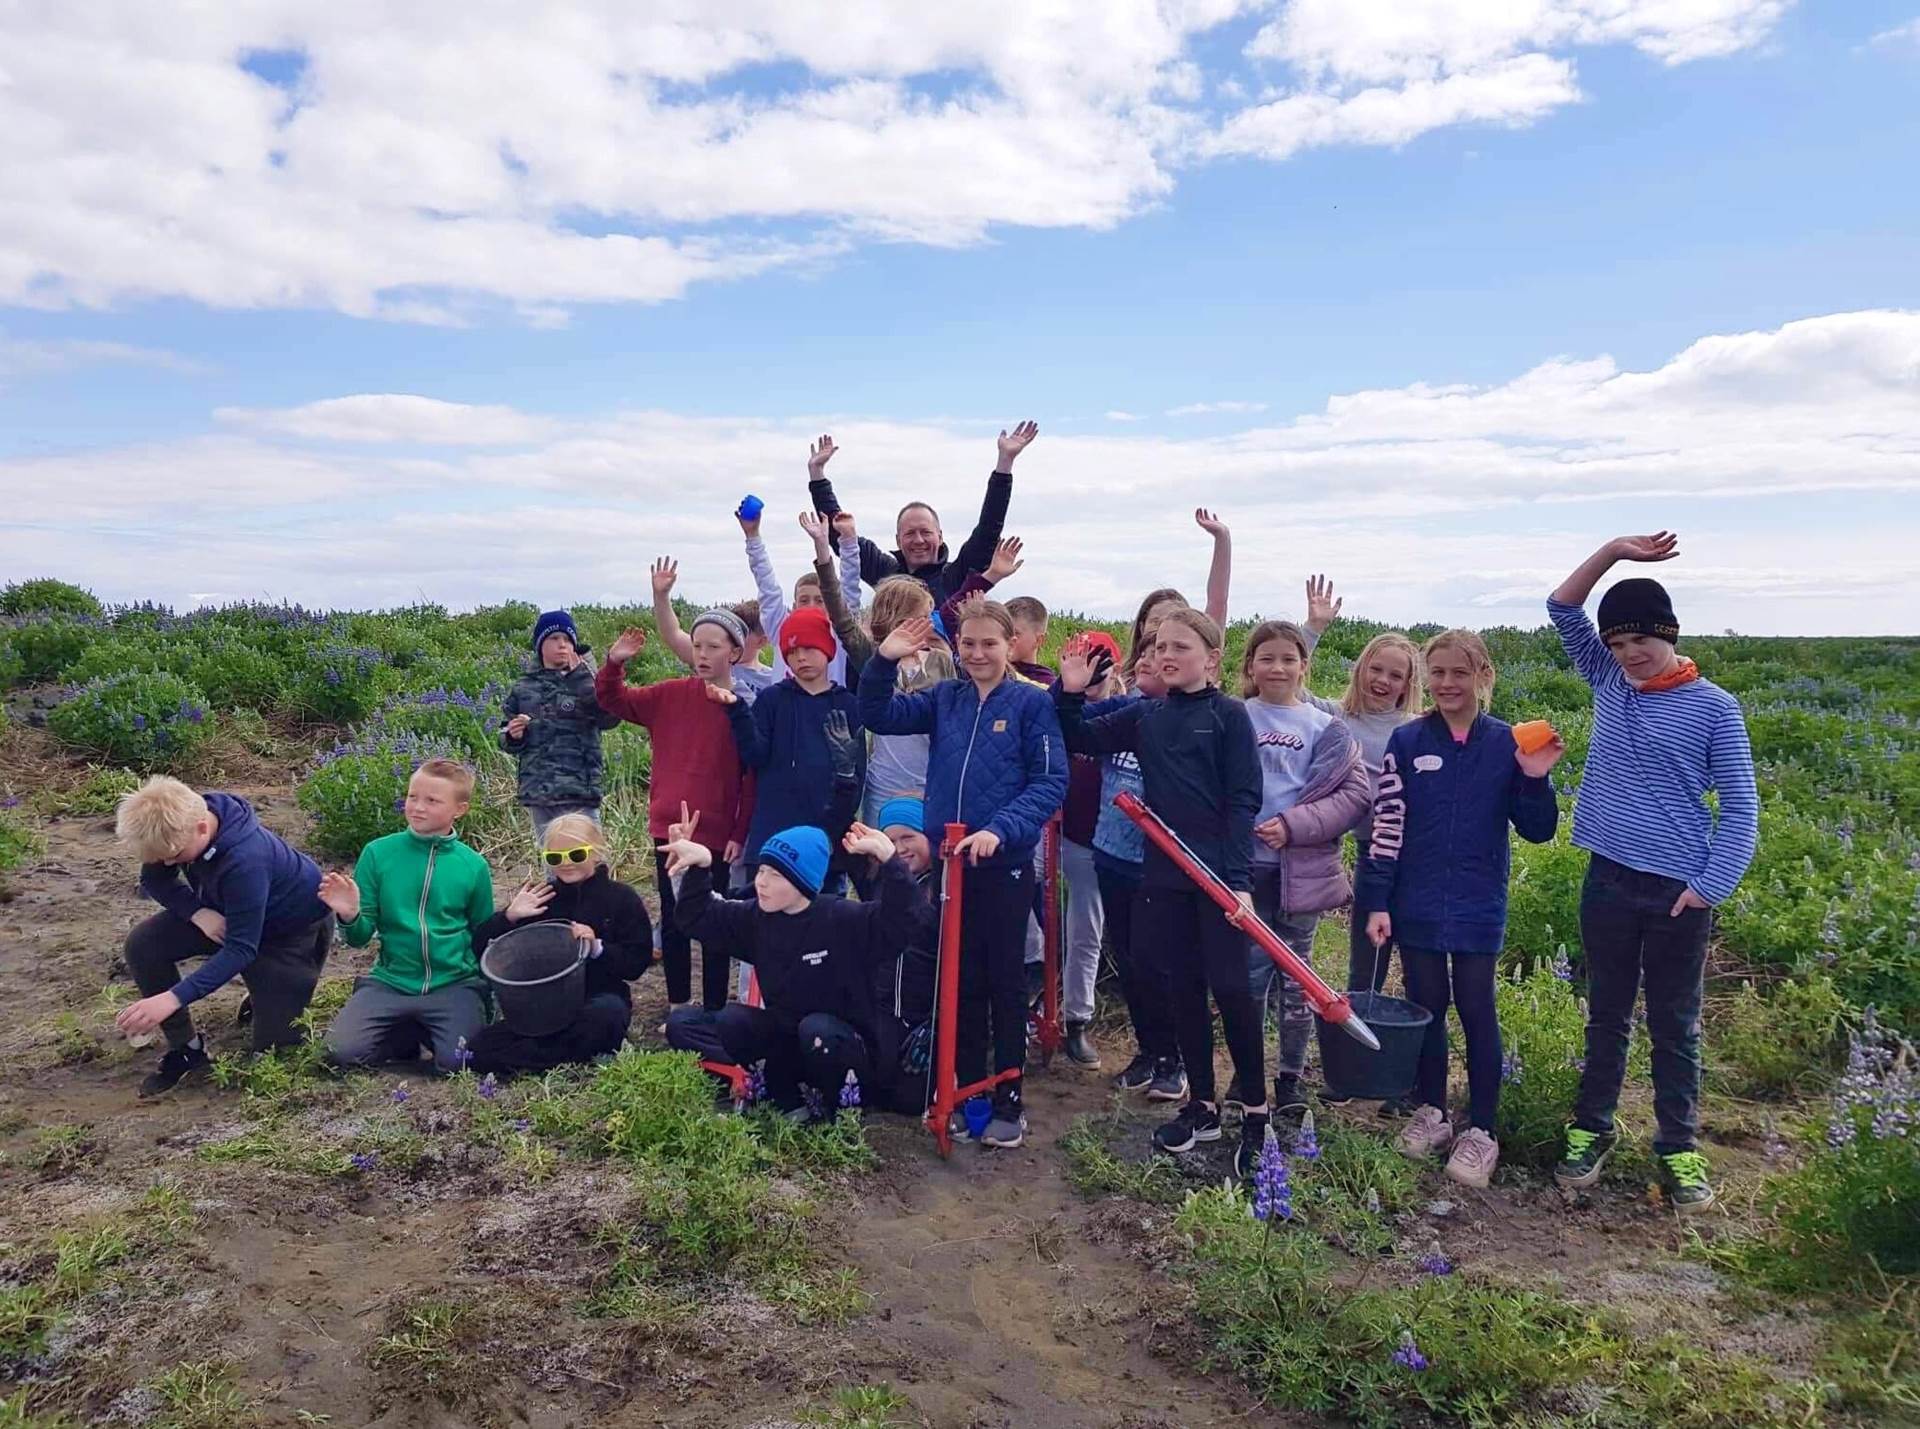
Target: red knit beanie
x=807, y=629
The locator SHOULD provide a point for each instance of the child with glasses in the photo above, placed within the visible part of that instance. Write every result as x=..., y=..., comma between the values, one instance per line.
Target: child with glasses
x=607, y=915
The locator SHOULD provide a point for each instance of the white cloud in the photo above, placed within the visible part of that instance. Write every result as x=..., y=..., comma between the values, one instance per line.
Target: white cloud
x=1123, y=417
x=1197, y=409
x=1423, y=502
x=1899, y=36
x=437, y=161
x=38, y=357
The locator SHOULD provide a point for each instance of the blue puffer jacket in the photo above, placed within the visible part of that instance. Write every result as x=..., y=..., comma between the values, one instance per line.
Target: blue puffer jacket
x=995, y=764
x=1439, y=855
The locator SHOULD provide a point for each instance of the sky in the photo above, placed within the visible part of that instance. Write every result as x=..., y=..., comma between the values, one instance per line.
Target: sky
x=355, y=307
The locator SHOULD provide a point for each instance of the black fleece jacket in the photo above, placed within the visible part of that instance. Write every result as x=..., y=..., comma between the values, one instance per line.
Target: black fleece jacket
x=616, y=912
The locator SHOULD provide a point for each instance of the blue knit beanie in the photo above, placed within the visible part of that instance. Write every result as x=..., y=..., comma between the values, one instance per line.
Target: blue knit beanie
x=799, y=855
x=556, y=622
x=906, y=813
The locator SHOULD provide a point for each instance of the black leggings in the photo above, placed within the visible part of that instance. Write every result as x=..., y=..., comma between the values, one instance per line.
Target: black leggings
x=1471, y=992
x=1203, y=952
x=1143, y=982
x=676, y=948
x=996, y=901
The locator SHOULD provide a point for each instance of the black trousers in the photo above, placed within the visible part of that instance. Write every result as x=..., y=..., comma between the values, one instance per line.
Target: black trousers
x=993, y=989
x=1203, y=953
x=1143, y=978
x=676, y=948
x=280, y=979
x=820, y=1051
x=599, y=1029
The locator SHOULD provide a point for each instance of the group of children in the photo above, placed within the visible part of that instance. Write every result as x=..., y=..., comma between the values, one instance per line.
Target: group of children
x=794, y=807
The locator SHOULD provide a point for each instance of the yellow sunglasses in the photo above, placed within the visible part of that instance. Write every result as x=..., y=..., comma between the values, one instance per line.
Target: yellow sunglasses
x=558, y=856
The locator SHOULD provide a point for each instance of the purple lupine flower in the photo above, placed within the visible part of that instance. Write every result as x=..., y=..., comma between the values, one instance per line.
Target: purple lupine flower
x=850, y=1092
x=12, y=801
x=1408, y=1355
x=488, y=1088
x=522, y=1125
x=757, y=1083
x=1562, y=967
x=139, y=723
x=1306, y=1144
x=401, y=1095
x=462, y=1056
x=1272, y=1187
x=1511, y=1067
x=363, y=1160
x=1434, y=1263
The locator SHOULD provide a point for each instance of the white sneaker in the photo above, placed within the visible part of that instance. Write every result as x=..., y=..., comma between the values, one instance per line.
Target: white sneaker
x=1475, y=1154
x=1427, y=1134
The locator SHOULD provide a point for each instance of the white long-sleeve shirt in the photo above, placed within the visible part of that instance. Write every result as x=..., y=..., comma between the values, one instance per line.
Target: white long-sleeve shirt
x=773, y=601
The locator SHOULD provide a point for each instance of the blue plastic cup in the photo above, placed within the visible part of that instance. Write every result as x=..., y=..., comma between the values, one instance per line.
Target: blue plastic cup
x=978, y=1111
x=750, y=509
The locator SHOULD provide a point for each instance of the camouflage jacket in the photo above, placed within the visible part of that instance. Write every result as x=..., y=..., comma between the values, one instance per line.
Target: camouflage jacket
x=559, y=754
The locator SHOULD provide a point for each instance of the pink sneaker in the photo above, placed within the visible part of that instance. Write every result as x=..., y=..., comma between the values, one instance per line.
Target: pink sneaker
x=1475, y=1155
x=1427, y=1134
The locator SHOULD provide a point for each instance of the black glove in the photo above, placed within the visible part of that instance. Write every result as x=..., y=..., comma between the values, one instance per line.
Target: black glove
x=840, y=746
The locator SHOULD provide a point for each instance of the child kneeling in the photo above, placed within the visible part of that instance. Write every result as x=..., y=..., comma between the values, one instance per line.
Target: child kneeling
x=422, y=892
x=815, y=958
x=608, y=916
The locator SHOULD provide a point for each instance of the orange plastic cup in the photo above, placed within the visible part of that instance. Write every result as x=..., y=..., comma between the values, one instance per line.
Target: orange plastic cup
x=1533, y=735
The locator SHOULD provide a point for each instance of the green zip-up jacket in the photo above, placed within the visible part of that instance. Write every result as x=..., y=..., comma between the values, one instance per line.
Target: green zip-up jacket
x=423, y=897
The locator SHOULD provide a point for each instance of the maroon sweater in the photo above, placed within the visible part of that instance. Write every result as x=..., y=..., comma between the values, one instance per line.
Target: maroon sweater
x=695, y=760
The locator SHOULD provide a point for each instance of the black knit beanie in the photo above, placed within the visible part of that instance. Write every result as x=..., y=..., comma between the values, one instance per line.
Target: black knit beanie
x=1639, y=607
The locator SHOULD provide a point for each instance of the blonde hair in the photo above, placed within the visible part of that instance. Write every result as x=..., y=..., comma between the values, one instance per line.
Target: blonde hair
x=936, y=665
x=1028, y=611
x=1199, y=622
x=158, y=817
x=978, y=607
x=896, y=600
x=1265, y=631
x=1355, y=700
x=576, y=830
x=454, y=772
x=1475, y=650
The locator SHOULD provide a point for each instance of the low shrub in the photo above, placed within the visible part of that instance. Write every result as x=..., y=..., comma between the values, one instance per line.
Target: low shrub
x=453, y=717
x=338, y=684
x=146, y=720
x=236, y=675
x=39, y=649
x=1544, y=1032
x=48, y=597
x=1767, y=1046
x=19, y=844
x=355, y=791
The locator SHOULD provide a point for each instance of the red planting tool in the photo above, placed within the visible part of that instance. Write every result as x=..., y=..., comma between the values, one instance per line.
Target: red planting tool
x=947, y=1095
x=1330, y=1005
x=1049, y=1031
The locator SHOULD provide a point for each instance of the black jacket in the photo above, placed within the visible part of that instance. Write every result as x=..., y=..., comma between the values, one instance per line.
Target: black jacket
x=1200, y=767
x=613, y=910
x=943, y=576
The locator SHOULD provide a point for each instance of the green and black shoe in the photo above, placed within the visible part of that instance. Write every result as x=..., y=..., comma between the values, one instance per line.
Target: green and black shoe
x=1684, y=1174
x=1584, y=1159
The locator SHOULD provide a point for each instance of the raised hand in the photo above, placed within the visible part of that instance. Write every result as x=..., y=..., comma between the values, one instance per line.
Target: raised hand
x=1014, y=442
x=664, y=573
x=907, y=638
x=683, y=827
x=1323, y=607
x=530, y=900
x=1006, y=560
x=873, y=843
x=1082, y=665
x=815, y=525
x=840, y=741
x=341, y=895
x=1536, y=764
x=683, y=854
x=631, y=642
x=984, y=844
x=844, y=529
x=818, y=455
x=1210, y=522
x=1660, y=546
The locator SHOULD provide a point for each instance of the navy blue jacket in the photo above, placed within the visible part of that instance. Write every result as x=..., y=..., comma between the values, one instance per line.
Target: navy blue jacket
x=994, y=764
x=782, y=737
x=250, y=876
x=1201, y=771
x=1439, y=854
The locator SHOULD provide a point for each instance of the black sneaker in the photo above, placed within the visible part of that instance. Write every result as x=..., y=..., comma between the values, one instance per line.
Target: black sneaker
x=1253, y=1136
x=1194, y=1123
x=178, y=1064
x=1080, y=1049
x=1289, y=1105
x=1684, y=1174
x=1169, y=1082
x=1138, y=1075
x=1585, y=1157
x=1235, y=1100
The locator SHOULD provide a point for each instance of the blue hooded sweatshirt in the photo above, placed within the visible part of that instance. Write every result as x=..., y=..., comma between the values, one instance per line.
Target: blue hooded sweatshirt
x=250, y=876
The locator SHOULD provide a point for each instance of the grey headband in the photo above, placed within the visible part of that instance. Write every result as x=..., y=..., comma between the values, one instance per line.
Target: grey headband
x=735, y=627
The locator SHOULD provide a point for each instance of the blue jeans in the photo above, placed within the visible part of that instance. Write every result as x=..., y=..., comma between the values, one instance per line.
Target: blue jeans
x=1629, y=935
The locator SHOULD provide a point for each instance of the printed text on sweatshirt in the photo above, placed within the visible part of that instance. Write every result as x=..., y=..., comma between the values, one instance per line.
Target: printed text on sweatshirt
x=1651, y=762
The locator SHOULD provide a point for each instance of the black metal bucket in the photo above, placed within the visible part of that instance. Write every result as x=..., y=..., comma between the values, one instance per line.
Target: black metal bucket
x=1351, y=1070
x=539, y=976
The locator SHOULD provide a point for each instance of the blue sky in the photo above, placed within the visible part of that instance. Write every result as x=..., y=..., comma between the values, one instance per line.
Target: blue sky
x=1447, y=204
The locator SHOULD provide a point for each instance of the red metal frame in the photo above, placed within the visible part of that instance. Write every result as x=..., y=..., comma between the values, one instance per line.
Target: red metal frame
x=739, y=1077
x=1050, y=1032
x=947, y=1096
x=1330, y=1005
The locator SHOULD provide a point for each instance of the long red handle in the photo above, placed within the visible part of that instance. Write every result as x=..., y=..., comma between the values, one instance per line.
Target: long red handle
x=1052, y=1034
x=946, y=1017
x=1330, y=1005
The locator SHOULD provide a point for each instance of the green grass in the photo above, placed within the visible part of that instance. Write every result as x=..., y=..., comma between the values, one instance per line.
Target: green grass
x=1096, y=1170
x=866, y=1407
x=203, y=1395
x=49, y=1280
x=427, y=1345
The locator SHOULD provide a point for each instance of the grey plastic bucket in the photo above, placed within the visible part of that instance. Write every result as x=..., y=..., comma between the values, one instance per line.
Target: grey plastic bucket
x=539, y=976
x=1351, y=1070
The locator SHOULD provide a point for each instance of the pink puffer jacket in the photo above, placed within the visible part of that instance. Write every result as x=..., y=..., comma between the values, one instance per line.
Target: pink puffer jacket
x=1337, y=796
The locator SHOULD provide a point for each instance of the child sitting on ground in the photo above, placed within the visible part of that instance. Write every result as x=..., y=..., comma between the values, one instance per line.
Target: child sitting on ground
x=604, y=913
x=552, y=725
x=232, y=892
x=815, y=958
x=695, y=766
x=422, y=893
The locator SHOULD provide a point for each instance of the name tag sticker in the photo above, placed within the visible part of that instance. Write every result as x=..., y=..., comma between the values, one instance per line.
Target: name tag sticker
x=1427, y=763
x=999, y=726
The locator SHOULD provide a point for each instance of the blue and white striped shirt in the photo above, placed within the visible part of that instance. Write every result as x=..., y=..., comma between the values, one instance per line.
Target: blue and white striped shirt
x=1652, y=759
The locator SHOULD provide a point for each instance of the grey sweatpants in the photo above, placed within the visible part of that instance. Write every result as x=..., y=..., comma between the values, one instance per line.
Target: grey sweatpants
x=1082, y=932
x=379, y=1024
